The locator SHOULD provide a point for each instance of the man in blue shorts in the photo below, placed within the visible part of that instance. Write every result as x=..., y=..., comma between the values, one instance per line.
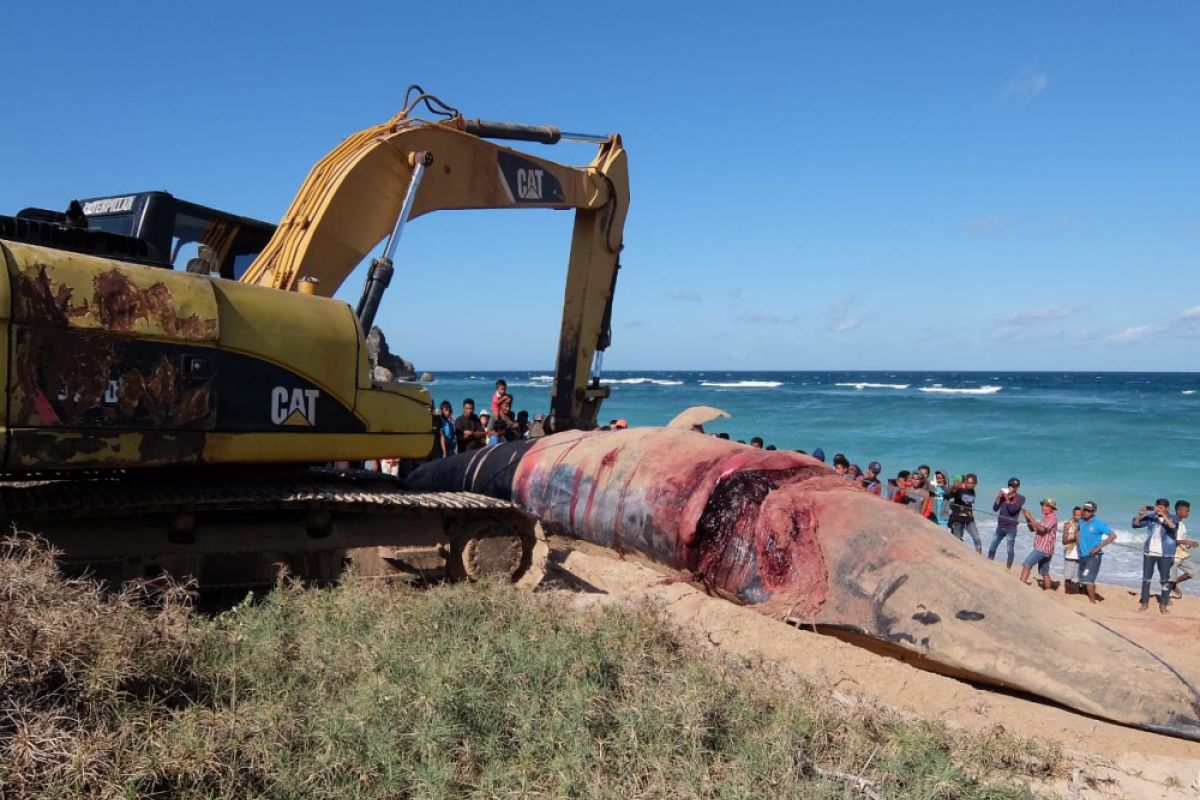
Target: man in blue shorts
x=1094, y=536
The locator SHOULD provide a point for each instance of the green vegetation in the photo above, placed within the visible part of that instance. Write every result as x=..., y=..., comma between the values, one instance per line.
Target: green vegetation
x=373, y=690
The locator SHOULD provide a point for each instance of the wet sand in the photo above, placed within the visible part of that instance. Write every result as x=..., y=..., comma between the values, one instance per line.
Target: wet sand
x=1111, y=760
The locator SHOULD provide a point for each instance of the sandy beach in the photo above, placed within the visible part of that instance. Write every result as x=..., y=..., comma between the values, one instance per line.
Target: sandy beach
x=1109, y=760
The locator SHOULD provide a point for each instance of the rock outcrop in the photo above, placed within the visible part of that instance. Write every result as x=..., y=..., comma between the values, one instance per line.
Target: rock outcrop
x=387, y=365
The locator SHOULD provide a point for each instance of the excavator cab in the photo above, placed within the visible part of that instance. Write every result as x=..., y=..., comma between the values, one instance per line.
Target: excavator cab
x=178, y=234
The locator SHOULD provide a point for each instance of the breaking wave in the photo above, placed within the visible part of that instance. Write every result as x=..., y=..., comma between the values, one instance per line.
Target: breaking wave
x=1188, y=391
x=939, y=389
x=545, y=378
x=636, y=381
x=861, y=386
x=742, y=384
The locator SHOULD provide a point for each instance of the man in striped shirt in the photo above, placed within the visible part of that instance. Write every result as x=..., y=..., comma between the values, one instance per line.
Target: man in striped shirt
x=1045, y=533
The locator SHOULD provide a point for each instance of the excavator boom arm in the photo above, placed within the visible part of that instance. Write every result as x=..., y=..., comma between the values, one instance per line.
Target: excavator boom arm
x=351, y=199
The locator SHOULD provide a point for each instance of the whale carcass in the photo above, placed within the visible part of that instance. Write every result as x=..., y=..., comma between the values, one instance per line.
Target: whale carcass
x=785, y=535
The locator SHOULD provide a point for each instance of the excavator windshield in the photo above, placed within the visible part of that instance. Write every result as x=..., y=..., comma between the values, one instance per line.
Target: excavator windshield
x=187, y=236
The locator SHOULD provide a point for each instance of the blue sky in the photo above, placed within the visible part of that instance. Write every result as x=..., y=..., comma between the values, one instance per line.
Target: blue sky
x=814, y=186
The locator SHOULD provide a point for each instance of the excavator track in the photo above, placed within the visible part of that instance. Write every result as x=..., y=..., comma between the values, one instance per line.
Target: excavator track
x=240, y=529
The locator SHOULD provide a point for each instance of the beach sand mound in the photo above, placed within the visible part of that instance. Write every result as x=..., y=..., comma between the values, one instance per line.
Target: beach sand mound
x=1109, y=760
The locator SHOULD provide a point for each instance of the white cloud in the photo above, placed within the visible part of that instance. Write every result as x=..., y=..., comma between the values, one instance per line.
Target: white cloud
x=844, y=324
x=1189, y=323
x=1026, y=86
x=1041, y=314
x=1130, y=335
x=841, y=319
x=685, y=297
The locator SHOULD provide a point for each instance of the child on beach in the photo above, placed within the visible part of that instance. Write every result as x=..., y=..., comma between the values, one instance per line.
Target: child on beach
x=1070, y=537
x=501, y=393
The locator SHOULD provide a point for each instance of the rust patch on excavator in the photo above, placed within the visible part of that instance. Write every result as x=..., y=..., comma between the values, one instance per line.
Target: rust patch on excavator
x=37, y=299
x=59, y=376
x=120, y=304
x=160, y=397
x=66, y=378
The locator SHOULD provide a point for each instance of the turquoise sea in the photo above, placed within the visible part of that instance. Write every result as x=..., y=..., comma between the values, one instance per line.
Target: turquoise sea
x=1120, y=439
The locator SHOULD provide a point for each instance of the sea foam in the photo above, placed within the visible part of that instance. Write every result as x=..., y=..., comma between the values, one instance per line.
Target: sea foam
x=742, y=384
x=861, y=386
x=938, y=389
x=636, y=381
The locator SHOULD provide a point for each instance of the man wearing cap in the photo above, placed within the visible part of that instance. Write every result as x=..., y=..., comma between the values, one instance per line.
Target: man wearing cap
x=1158, y=552
x=1045, y=531
x=962, y=510
x=1008, y=503
x=537, y=429
x=1094, y=536
x=870, y=481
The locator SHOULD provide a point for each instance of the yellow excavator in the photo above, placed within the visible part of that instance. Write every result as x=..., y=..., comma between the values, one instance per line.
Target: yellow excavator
x=174, y=372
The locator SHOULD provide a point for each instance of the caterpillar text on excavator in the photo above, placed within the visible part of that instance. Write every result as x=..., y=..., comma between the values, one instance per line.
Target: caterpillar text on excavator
x=176, y=375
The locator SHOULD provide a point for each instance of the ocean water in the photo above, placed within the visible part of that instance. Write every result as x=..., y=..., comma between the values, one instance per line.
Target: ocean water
x=1120, y=439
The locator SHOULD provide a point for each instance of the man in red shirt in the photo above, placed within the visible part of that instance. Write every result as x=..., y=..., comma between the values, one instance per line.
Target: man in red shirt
x=1045, y=533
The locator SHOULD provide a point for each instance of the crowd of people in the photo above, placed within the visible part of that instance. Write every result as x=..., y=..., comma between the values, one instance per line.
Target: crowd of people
x=1083, y=536
x=471, y=431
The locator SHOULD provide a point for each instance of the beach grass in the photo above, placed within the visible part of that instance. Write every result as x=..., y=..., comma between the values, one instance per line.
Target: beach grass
x=378, y=690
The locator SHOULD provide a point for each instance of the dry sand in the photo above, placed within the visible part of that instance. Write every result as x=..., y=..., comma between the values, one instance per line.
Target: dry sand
x=1111, y=760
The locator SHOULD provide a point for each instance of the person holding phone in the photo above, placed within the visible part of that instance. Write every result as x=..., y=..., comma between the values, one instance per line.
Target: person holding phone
x=1008, y=504
x=1158, y=551
x=1045, y=531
